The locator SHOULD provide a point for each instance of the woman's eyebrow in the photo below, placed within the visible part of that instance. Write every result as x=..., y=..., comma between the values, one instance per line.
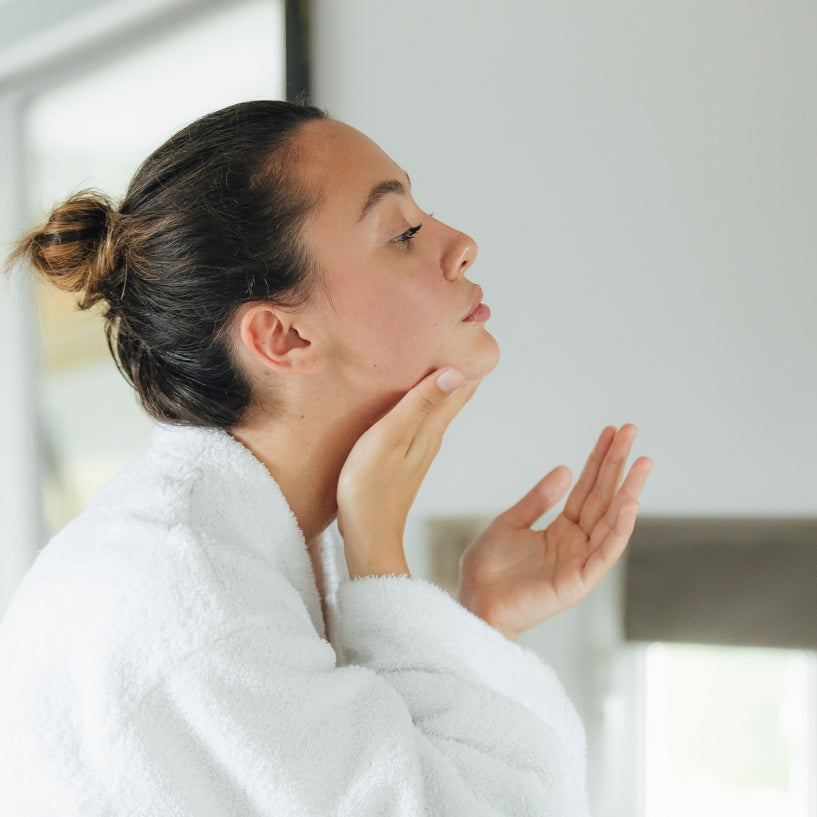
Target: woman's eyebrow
x=382, y=189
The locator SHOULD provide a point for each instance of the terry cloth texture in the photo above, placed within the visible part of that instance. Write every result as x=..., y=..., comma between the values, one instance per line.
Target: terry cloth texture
x=167, y=655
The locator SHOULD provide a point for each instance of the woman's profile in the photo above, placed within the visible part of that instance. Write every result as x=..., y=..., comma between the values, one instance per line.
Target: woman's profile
x=204, y=639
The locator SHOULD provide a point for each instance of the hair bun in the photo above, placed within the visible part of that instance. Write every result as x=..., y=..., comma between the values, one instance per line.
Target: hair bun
x=75, y=249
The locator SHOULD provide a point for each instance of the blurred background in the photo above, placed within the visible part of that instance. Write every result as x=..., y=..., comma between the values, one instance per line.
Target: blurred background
x=641, y=178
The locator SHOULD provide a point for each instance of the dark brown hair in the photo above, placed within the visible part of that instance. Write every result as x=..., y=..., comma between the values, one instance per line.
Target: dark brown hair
x=211, y=220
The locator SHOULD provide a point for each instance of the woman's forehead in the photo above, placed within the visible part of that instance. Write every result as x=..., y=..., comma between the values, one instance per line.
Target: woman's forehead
x=340, y=162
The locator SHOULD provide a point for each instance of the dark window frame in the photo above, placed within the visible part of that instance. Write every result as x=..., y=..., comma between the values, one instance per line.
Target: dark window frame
x=727, y=581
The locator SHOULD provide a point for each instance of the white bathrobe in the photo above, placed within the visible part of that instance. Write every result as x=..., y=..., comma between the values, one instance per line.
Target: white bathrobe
x=166, y=655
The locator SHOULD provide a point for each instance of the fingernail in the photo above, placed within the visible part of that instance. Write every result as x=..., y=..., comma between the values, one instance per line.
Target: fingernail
x=450, y=380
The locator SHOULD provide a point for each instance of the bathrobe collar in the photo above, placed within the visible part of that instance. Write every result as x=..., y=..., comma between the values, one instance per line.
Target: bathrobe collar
x=239, y=485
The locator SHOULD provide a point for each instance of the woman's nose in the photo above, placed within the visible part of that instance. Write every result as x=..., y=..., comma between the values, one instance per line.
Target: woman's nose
x=459, y=254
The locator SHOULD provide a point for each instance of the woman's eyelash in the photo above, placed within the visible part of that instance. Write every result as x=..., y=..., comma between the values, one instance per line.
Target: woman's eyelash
x=405, y=238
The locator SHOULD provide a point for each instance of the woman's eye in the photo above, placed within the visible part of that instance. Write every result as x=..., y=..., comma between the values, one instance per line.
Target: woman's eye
x=405, y=238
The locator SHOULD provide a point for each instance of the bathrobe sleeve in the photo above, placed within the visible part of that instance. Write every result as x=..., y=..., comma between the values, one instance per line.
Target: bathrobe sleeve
x=490, y=711
x=427, y=712
x=167, y=656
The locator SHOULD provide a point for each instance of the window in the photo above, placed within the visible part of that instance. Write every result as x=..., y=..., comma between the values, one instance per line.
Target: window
x=93, y=130
x=729, y=731
x=727, y=688
x=86, y=92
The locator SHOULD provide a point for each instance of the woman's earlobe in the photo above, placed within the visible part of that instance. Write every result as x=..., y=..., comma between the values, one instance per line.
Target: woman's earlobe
x=269, y=334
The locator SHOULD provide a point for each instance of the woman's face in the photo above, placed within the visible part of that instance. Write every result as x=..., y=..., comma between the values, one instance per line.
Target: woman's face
x=395, y=303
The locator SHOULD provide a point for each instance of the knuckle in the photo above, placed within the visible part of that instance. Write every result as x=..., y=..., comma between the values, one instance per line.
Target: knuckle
x=425, y=404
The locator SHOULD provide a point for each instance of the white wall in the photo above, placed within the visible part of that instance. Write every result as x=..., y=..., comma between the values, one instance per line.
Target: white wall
x=642, y=180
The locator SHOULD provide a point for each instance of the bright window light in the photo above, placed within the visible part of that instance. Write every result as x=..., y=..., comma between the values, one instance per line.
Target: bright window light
x=99, y=126
x=730, y=731
x=93, y=130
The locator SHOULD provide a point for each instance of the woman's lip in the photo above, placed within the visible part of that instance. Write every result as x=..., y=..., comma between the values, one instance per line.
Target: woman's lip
x=479, y=312
x=479, y=315
x=476, y=300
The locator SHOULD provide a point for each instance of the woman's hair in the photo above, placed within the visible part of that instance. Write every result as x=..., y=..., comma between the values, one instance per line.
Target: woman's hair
x=211, y=220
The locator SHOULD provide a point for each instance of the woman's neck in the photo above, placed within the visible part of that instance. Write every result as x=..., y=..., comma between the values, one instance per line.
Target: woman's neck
x=305, y=467
x=306, y=442
x=305, y=452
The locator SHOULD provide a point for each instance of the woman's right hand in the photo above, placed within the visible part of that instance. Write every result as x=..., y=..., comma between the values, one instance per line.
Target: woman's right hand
x=385, y=468
x=515, y=577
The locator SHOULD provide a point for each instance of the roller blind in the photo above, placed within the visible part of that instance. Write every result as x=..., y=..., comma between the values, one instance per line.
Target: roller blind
x=741, y=582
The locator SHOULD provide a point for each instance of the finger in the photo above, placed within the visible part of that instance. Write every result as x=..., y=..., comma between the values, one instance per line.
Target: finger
x=432, y=404
x=612, y=533
x=636, y=478
x=630, y=489
x=612, y=544
x=609, y=478
x=540, y=499
x=429, y=434
x=449, y=407
x=587, y=479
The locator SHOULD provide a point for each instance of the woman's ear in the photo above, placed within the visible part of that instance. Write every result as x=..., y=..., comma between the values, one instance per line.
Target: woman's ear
x=269, y=333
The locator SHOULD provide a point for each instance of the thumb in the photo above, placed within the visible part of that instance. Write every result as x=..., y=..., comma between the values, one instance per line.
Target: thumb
x=431, y=404
x=540, y=499
x=451, y=393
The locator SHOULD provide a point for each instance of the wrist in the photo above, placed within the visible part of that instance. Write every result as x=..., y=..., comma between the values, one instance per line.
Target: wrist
x=381, y=559
x=379, y=570
x=477, y=604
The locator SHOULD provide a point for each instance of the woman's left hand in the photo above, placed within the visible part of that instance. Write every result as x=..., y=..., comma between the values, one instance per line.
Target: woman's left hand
x=384, y=470
x=515, y=578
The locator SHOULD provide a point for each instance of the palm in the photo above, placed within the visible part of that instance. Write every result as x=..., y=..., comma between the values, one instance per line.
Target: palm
x=515, y=577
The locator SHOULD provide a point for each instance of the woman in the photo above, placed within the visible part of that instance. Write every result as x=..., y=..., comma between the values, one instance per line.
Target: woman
x=197, y=642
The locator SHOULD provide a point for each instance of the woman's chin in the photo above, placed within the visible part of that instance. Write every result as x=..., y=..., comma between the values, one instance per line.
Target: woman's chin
x=482, y=362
